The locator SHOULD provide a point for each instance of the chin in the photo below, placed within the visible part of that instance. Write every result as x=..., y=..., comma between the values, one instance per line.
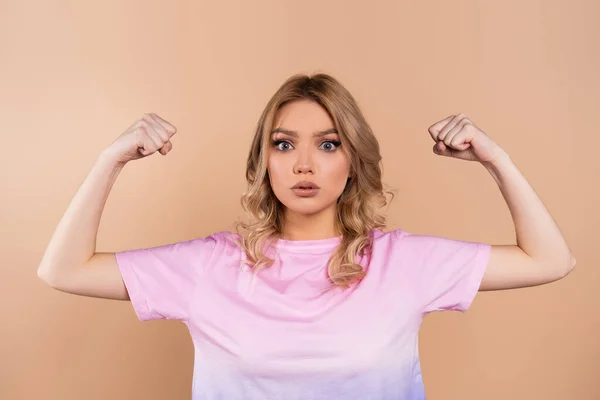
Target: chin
x=305, y=206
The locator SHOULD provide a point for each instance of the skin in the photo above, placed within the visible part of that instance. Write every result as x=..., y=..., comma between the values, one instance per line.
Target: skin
x=302, y=153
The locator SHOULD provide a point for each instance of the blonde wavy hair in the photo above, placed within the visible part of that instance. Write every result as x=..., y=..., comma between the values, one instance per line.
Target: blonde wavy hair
x=357, y=207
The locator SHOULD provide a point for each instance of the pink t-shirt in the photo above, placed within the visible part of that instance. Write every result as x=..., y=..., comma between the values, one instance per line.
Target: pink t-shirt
x=280, y=336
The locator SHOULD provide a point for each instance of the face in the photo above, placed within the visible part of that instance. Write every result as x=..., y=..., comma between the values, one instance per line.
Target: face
x=305, y=146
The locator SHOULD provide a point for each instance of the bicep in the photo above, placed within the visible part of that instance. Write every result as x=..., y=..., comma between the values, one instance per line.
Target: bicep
x=98, y=277
x=509, y=267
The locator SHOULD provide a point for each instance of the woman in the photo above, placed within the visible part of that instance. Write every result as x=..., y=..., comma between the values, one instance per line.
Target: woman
x=313, y=300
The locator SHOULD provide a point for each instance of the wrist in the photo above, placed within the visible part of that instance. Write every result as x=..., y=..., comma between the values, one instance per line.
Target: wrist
x=106, y=158
x=499, y=166
x=501, y=157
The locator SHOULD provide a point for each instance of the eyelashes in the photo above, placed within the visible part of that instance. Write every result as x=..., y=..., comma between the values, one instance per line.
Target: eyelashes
x=276, y=143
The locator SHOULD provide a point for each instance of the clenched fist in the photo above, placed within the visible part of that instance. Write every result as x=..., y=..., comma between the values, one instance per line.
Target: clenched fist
x=456, y=136
x=145, y=136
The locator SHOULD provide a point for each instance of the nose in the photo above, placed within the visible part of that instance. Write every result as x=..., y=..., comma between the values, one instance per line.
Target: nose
x=304, y=163
x=303, y=169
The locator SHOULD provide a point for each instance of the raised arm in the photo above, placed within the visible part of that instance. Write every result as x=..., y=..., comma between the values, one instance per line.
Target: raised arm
x=541, y=254
x=70, y=262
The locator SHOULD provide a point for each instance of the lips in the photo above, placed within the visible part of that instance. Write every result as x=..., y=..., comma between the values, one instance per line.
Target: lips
x=305, y=185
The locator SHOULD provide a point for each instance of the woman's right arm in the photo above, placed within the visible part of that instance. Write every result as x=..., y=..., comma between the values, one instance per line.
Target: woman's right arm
x=70, y=262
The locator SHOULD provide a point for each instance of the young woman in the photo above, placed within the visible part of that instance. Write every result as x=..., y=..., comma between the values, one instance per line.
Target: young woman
x=311, y=299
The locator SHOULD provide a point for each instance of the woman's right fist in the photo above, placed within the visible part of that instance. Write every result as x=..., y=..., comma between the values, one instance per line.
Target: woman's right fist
x=144, y=137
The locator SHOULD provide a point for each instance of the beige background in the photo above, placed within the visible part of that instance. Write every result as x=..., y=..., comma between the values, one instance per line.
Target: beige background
x=73, y=76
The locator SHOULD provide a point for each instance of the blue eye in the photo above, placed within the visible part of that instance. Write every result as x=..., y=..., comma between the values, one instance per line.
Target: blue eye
x=277, y=144
x=333, y=143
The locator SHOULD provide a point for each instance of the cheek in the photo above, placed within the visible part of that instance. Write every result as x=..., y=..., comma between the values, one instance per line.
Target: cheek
x=275, y=169
x=340, y=167
x=337, y=173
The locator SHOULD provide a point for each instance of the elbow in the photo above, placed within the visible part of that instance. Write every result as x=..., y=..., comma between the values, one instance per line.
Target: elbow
x=570, y=266
x=554, y=270
x=46, y=276
x=41, y=274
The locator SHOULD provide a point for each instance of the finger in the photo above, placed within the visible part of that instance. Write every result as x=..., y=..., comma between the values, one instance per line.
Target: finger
x=158, y=128
x=166, y=148
x=462, y=140
x=151, y=133
x=435, y=129
x=448, y=140
x=164, y=138
x=165, y=145
x=450, y=125
x=441, y=149
x=165, y=124
x=146, y=145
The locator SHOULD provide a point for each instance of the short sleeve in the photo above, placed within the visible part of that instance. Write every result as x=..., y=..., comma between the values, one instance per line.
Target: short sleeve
x=161, y=280
x=448, y=272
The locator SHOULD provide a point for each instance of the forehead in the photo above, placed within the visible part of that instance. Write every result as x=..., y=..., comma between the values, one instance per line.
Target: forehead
x=304, y=116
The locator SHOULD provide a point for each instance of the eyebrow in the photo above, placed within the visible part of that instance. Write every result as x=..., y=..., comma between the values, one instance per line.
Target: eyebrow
x=295, y=134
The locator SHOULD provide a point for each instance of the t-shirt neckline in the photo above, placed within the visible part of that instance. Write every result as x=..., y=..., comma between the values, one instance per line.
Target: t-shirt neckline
x=317, y=244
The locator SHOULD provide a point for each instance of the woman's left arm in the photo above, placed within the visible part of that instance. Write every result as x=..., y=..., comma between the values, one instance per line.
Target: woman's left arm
x=541, y=254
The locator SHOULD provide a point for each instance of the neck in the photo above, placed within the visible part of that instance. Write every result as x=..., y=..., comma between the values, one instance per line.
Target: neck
x=317, y=226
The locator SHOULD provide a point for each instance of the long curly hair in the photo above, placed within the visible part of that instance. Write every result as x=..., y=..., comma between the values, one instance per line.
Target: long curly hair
x=358, y=205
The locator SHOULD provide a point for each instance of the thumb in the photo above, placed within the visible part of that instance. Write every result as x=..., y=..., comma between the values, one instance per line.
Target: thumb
x=441, y=149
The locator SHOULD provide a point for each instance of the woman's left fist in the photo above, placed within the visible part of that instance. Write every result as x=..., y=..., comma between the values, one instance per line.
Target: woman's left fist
x=456, y=136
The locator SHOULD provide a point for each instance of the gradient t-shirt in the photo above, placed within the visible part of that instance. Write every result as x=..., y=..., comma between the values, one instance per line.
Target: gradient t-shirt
x=281, y=335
